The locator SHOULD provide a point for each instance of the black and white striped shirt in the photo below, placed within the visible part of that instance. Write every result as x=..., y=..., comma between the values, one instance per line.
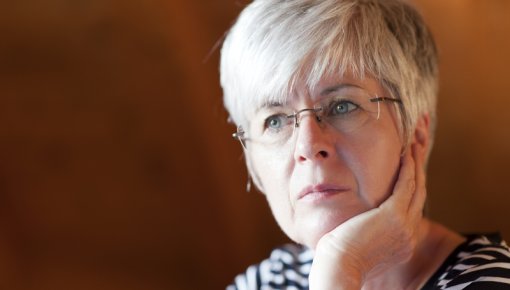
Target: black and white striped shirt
x=481, y=262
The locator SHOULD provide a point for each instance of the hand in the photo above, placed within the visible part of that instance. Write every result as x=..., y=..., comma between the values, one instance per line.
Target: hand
x=376, y=240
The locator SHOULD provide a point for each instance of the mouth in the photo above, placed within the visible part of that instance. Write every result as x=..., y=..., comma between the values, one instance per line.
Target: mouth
x=320, y=191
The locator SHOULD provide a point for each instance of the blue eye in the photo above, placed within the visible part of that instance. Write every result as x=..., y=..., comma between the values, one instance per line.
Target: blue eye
x=342, y=107
x=276, y=122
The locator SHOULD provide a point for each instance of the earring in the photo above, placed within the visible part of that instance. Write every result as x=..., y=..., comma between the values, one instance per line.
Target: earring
x=248, y=184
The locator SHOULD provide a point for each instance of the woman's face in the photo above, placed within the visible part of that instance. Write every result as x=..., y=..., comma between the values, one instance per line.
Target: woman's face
x=323, y=177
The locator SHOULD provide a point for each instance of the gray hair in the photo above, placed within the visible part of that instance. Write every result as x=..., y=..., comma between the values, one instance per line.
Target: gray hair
x=275, y=44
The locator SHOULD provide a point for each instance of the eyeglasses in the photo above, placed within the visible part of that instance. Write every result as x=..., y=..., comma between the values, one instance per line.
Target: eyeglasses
x=274, y=126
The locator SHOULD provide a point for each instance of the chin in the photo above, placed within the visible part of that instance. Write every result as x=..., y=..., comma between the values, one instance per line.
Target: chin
x=310, y=228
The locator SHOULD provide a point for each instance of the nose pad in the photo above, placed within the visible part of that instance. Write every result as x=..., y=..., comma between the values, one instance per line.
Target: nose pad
x=314, y=111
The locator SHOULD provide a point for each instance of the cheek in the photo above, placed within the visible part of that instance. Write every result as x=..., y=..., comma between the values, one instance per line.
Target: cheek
x=375, y=165
x=273, y=171
x=270, y=168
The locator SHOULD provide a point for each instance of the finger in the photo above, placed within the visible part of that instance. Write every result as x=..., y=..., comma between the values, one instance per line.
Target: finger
x=405, y=185
x=418, y=200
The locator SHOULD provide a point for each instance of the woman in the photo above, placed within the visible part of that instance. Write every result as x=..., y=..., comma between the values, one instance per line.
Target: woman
x=335, y=105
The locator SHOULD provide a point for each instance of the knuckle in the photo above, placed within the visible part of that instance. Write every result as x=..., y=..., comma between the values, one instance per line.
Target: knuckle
x=411, y=185
x=329, y=243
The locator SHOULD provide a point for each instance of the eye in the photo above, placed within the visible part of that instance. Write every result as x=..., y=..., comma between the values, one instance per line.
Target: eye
x=342, y=107
x=276, y=122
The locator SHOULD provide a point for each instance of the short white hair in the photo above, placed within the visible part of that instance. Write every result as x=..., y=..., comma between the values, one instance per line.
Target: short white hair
x=276, y=43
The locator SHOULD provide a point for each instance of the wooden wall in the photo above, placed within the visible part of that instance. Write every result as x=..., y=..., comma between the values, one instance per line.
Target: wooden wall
x=117, y=170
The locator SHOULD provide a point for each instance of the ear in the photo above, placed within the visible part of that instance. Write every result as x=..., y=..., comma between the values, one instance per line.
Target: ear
x=421, y=135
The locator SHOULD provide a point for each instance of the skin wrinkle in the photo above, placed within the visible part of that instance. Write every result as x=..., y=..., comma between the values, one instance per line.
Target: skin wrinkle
x=345, y=156
x=276, y=68
x=349, y=154
x=372, y=213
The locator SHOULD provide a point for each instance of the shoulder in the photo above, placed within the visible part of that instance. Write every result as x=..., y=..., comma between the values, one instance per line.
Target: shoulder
x=288, y=266
x=482, y=262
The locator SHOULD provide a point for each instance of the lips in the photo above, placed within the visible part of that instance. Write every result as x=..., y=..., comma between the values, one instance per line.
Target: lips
x=321, y=190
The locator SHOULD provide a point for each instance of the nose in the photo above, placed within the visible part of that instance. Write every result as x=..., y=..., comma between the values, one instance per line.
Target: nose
x=313, y=143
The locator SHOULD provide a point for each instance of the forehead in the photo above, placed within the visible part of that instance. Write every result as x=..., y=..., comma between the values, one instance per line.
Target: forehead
x=333, y=83
x=327, y=85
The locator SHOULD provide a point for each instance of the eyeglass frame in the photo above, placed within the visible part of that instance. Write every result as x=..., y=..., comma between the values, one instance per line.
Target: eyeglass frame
x=239, y=134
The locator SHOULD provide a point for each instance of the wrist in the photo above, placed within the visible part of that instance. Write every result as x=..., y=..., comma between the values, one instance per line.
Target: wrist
x=343, y=279
x=335, y=271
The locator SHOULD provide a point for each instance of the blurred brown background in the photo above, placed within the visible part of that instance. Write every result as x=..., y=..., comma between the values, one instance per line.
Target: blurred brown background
x=117, y=170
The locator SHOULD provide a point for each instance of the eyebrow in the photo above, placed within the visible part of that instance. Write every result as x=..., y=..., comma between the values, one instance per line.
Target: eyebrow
x=266, y=105
x=324, y=92
x=335, y=88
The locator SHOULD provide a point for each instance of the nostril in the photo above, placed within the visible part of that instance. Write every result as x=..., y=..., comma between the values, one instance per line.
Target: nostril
x=323, y=154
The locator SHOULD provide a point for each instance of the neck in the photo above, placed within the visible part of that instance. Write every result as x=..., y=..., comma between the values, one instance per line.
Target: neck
x=435, y=243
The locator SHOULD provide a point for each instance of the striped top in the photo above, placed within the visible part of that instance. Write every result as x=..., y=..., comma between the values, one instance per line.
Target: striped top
x=481, y=262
